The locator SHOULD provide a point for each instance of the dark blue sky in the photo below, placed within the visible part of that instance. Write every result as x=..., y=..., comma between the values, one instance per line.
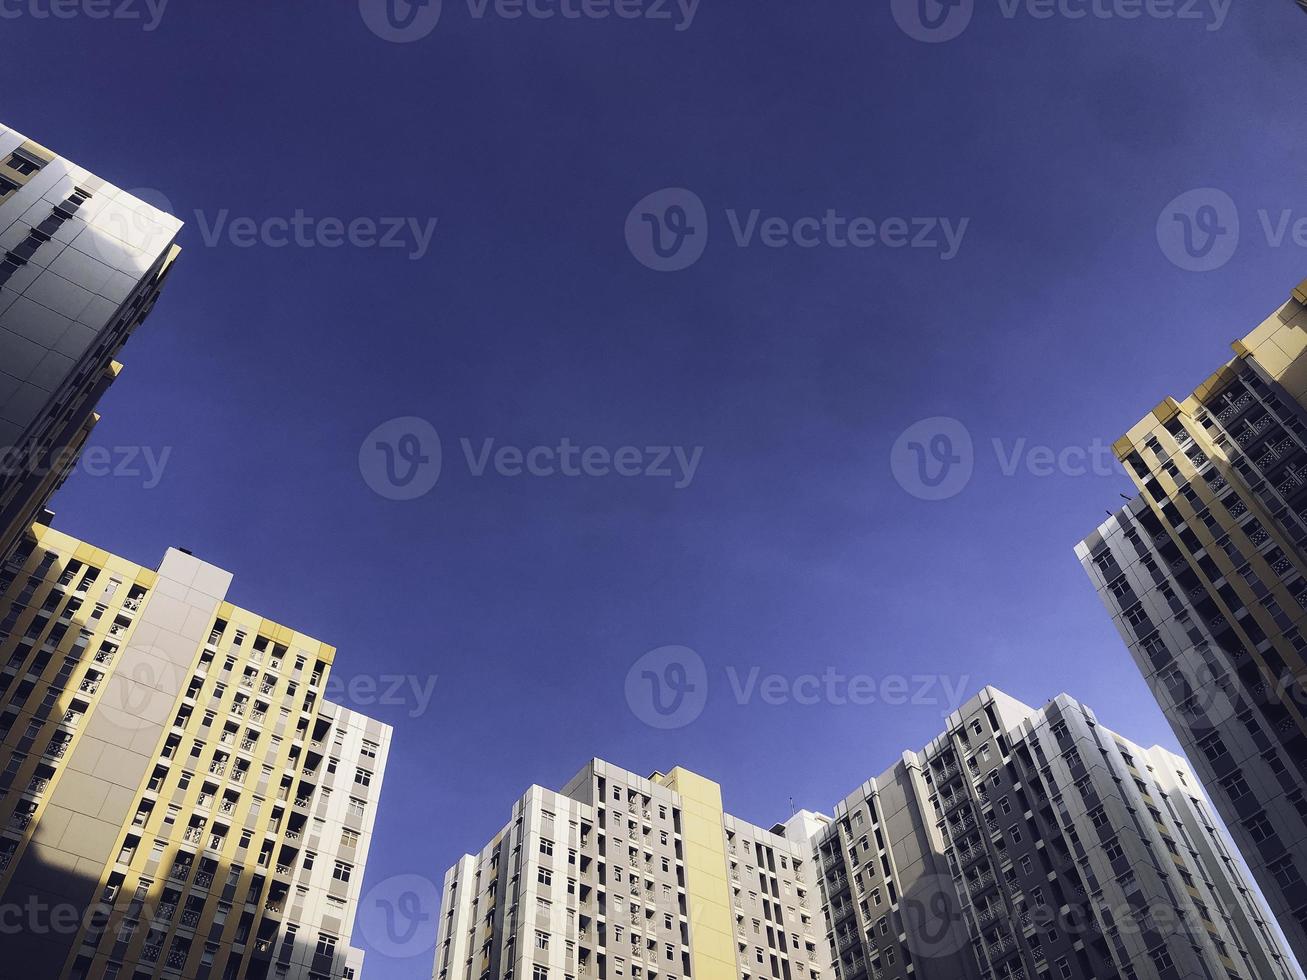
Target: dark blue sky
x=1060, y=321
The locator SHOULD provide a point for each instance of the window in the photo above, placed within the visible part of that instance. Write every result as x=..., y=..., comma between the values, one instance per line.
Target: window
x=342, y=871
x=369, y=750
x=544, y=876
x=349, y=838
x=1285, y=872
x=539, y=972
x=542, y=940
x=1259, y=828
x=546, y=846
x=1235, y=786
x=22, y=164
x=362, y=777
x=326, y=945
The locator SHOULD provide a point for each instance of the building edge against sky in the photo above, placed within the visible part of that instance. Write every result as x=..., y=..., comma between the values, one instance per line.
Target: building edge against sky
x=1019, y=843
x=174, y=777
x=81, y=266
x=1204, y=574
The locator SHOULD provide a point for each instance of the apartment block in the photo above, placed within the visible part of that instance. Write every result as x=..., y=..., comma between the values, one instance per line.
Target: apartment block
x=1025, y=843
x=1204, y=573
x=1020, y=843
x=81, y=266
x=620, y=876
x=177, y=798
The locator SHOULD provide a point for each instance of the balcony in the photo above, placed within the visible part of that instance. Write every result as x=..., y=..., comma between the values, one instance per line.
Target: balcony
x=89, y=685
x=977, y=885
x=1002, y=947
x=193, y=835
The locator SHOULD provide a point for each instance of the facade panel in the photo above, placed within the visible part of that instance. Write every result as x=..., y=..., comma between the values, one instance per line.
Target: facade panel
x=81, y=266
x=1205, y=576
x=178, y=798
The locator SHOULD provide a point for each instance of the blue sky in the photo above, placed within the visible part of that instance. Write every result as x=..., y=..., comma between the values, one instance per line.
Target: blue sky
x=1054, y=147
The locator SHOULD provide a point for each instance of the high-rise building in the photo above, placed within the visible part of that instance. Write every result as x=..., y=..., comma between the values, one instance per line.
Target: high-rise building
x=1205, y=575
x=642, y=879
x=1024, y=843
x=81, y=265
x=1019, y=843
x=177, y=798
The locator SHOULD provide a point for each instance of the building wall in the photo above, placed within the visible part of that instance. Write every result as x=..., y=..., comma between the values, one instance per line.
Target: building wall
x=641, y=878
x=1019, y=843
x=210, y=814
x=1205, y=576
x=81, y=266
x=1024, y=843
